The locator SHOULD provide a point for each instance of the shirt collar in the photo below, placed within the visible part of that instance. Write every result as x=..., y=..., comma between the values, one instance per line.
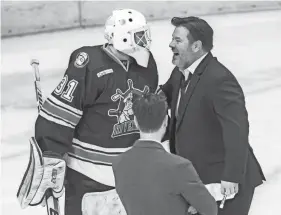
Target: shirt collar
x=146, y=143
x=150, y=140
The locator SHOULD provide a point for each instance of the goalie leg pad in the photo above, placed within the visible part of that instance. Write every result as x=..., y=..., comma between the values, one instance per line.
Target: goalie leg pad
x=102, y=203
x=44, y=171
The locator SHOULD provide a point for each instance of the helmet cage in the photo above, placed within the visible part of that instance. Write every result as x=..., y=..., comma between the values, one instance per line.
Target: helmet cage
x=141, y=37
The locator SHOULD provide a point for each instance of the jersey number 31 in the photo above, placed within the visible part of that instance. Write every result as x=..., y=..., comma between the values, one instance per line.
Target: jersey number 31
x=68, y=93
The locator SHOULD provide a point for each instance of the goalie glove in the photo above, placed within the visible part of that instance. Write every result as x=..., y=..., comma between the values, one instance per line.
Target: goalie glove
x=45, y=171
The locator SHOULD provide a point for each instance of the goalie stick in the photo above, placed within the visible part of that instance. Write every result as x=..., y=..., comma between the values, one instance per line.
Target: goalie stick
x=51, y=202
x=39, y=98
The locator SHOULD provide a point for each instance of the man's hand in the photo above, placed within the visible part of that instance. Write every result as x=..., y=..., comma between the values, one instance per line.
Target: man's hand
x=191, y=210
x=229, y=188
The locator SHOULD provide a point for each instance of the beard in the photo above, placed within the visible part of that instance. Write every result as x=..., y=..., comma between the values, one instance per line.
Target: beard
x=181, y=62
x=176, y=59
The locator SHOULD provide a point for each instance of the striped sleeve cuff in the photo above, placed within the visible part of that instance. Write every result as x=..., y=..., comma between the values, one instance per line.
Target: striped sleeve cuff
x=60, y=113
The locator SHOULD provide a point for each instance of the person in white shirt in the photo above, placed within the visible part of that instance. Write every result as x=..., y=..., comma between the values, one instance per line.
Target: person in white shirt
x=209, y=121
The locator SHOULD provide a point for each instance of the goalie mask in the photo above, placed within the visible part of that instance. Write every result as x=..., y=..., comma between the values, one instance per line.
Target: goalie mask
x=128, y=32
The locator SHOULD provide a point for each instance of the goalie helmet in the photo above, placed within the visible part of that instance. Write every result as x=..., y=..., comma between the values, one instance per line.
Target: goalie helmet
x=128, y=32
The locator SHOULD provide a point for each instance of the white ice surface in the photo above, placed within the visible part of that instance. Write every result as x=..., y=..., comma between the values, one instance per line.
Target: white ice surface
x=248, y=44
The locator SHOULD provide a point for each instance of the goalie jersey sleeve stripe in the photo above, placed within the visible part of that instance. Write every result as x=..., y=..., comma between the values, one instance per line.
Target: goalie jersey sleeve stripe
x=62, y=105
x=59, y=112
x=45, y=114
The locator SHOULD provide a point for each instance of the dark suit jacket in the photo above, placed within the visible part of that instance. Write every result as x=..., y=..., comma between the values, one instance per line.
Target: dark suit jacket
x=151, y=181
x=212, y=128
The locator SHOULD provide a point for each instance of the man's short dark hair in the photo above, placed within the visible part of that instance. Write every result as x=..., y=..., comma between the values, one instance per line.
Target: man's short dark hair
x=150, y=111
x=198, y=28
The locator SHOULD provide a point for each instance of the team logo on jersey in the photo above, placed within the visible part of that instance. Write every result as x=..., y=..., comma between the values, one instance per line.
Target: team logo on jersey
x=81, y=60
x=125, y=117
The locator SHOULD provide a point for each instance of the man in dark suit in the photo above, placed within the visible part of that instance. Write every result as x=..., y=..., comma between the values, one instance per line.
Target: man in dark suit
x=151, y=181
x=209, y=121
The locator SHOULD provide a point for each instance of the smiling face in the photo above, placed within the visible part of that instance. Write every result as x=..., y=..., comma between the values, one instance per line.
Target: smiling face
x=183, y=48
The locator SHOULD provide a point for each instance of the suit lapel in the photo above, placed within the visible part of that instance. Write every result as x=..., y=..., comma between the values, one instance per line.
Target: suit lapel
x=176, y=89
x=191, y=87
x=186, y=97
x=175, y=95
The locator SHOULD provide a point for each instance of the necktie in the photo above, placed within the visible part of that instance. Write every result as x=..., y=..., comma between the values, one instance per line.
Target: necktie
x=184, y=82
x=183, y=87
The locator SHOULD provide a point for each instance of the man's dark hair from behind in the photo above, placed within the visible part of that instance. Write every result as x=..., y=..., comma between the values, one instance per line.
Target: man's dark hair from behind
x=150, y=106
x=199, y=30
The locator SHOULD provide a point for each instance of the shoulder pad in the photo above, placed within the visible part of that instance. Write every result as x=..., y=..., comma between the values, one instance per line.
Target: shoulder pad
x=92, y=56
x=80, y=57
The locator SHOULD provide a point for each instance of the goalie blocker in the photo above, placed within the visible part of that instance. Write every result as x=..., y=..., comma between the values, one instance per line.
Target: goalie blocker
x=44, y=176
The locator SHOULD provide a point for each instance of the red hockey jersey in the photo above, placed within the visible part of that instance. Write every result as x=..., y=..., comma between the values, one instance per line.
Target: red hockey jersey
x=89, y=115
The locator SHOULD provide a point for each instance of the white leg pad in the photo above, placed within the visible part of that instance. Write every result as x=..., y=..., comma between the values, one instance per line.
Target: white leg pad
x=102, y=203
